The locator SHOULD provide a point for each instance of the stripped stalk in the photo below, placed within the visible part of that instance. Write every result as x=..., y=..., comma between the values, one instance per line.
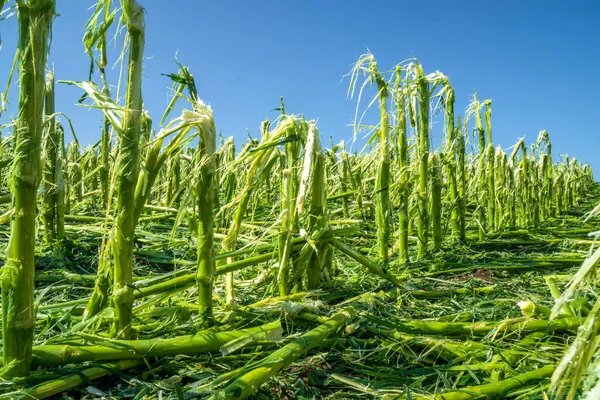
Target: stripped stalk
x=289, y=192
x=261, y=156
x=18, y=313
x=550, y=209
x=127, y=171
x=450, y=161
x=50, y=168
x=403, y=166
x=436, y=200
x=344, y=165
x=521, y=182
x=462, y=183
x=204, y=194
x=314, y=171
x=481, y=167
x=48, y=389
x=255, y=375
x=75, y=175
x=285, y=233
x=423, y=151
x=368, y=66
x=317, y=220
x=382, y=188
x=500, y=181
x=61, y=187
x=105, y=157
x=490, y=158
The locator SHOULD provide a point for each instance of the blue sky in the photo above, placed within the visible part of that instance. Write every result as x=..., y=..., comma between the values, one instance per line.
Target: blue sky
x=537, y=60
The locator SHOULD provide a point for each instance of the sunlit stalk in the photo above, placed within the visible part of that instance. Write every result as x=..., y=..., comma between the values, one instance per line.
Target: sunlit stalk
x=127, y=171
x=18, y=312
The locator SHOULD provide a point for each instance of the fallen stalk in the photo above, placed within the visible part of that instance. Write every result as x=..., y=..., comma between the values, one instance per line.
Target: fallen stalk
x=252, y=377
x=376, y=269
x=57, y=386
x=201, y=342
x=480, y=328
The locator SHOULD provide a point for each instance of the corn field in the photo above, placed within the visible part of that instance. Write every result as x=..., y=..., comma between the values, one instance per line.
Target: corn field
x=165, y=261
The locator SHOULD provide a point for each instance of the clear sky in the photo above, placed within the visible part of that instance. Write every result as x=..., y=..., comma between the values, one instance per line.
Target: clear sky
x=537, y=60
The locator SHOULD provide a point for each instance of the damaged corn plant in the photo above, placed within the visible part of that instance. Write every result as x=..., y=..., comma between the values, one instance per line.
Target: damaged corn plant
x=166, y=261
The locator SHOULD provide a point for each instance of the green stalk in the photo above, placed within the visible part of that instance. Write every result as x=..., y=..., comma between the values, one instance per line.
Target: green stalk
x=60, y=186
x=481, y=169
x=559, y=184
x=145, y=133
x=479, y=329
x=550, y=180
x=109, y=349
x=344, y=166
x=267, y=177
x=263, y=155
x=106, y=137
x=50, y=168
x=75, y=176
x=525, y=186
x=491, y=187
x=230, y=242
x=317, y=216
x=258, y=373
x=568, y=199
x=230, y=187
x=403, y=166
x=370, y=265
x=285, y=233
x=522, y=182
x=205, y=198
x=314, y=165
x=18, y=312
x=85, y=170
x=501, y=185
x=550, y=209
x=423, y=149
x=155, y=156
x=544, y=196
x=462, y=183
x=230, y=179
x=51, y=388
x=90, y=163
x=127, y=171
x=99, y=298
x=491, y=169
x=190, y=279
x=289, y=222
x=450, y=161
x=382, y=187
x=536, y=189
x=436, y=200
x=511, y=187
x=500, y=388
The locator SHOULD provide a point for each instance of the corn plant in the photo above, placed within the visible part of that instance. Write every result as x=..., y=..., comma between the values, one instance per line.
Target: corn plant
x=367, y=65
x=403, y=165
x=288, y=193
x=34, y=18
x=450, y=160
x=424, y=96
x=127, y=170
x=54, y=188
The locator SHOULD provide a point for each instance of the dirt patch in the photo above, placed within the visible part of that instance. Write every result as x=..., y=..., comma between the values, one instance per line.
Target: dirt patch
x=483, y=274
